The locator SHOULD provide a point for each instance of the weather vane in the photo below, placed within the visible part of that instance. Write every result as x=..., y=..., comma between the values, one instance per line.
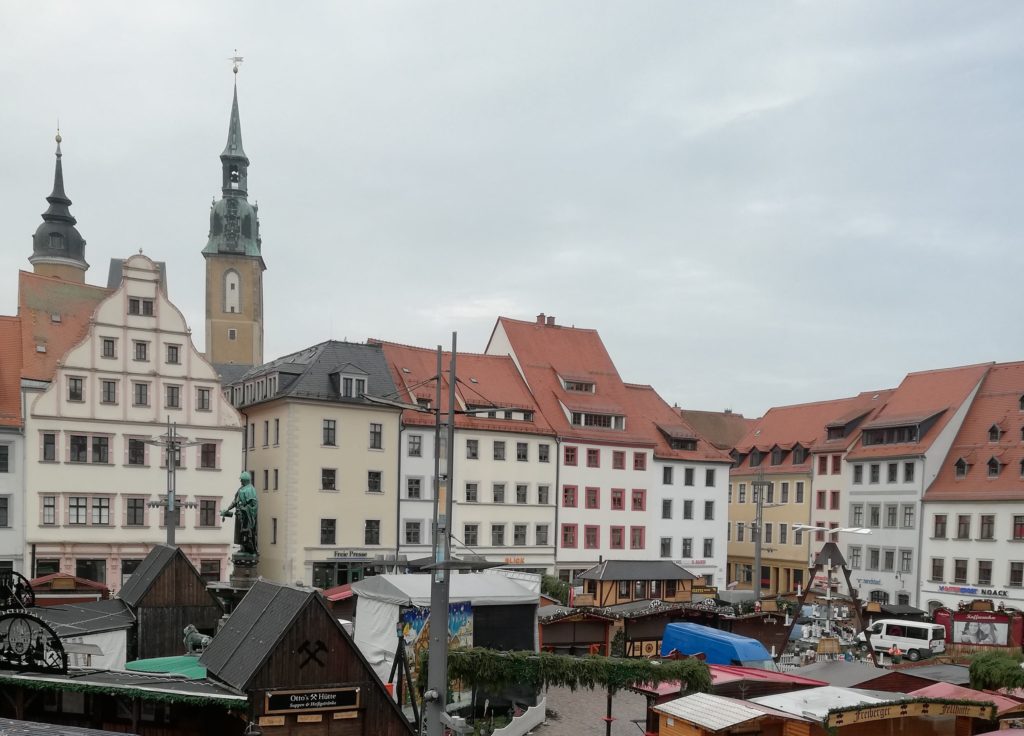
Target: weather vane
x=235, y=61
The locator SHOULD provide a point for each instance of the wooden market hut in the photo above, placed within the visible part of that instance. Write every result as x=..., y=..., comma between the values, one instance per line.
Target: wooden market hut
x=166, y=593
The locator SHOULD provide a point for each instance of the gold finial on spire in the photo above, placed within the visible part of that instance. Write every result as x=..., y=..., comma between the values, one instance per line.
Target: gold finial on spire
x=235, y=61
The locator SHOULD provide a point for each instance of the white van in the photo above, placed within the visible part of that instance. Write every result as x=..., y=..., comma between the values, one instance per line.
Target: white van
x=916, y=640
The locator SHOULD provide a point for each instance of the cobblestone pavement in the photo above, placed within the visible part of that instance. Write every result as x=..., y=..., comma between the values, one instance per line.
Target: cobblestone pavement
x=579, y=713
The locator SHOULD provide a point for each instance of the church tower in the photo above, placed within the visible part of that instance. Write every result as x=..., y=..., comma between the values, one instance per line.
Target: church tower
x=57, y=247
x=234, y=262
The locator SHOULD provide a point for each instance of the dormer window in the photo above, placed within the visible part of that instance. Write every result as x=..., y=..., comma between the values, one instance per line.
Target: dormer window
x=424, y=403
x=684, y=444
x=352, y=388
x=799, y=455
x=581, y=386
x=755, y=458
x=960, y=469
x=994, y=433
x=836, y=433
x=776, y=456
x=608, y=421
x=993, y=468
x=1020, y=403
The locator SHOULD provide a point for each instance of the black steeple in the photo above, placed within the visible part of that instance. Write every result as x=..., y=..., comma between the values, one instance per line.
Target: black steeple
x=234, y=162
x=57, y=240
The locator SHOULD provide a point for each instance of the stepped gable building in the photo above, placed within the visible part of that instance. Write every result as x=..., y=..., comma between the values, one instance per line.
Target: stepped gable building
x=11, y=447
x=234, y=263
x=723, y=429
x=323, y=459
x=776, y=456
x=898, y=455
x=606, y=446
x=91, y=474
x=505, y=459
x=973, y=518
x=689, y=501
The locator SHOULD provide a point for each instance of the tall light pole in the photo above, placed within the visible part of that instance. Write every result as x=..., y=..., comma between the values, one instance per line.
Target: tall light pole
x=436, y=697
x=758, y=488
x=172, y=442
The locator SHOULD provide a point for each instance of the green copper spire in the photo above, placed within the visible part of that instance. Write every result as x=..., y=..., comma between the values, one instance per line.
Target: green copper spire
x=234, y=225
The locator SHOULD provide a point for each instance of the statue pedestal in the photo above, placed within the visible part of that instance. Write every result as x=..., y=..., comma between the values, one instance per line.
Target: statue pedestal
x=243, y=577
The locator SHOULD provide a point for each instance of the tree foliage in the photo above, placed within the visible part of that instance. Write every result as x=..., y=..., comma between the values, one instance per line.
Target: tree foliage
x=995, y=670
x=552, y=586
x=498, y=671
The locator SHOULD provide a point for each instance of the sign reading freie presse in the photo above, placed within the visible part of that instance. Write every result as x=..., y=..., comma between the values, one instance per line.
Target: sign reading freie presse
x=308, y=701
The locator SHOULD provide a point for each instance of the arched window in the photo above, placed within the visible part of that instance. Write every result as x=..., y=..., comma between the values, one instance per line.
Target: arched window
x=993, y=468
x=994, y=433
x=233, y=176
x=961, y=468
x=232, y=291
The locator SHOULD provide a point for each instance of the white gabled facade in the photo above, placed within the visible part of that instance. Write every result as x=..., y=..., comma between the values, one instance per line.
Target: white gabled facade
x=12, y=517
x=90, y=473
x=504, y=509
x=690, y=517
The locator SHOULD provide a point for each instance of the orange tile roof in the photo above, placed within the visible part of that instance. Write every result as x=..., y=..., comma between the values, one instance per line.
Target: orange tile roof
x=39, y=299
x=997, y=403
x=655, y=418
x=803, y=424
x=864, y=411
x=483, y=380
x=547, y=352
x=938, y=392
x=10, y=372
x=722, y=428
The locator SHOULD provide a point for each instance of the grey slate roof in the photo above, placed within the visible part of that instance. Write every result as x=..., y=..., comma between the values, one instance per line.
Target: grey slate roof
x=162, y=683
x=93, y=617
x=306, y=373
x=29, y=728
x=252, y=631
x=139, y=583
x=638, y=570
x=231, y=372
x=955, y=674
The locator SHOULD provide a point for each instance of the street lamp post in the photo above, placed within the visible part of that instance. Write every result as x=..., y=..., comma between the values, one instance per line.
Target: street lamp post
x=172, y=442
x=758, y=488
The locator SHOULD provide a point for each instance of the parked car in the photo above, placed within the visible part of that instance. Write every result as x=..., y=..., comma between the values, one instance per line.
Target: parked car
x=915, y=640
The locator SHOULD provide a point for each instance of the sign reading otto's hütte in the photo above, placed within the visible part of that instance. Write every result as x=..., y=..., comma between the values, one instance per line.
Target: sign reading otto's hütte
x=306, y=701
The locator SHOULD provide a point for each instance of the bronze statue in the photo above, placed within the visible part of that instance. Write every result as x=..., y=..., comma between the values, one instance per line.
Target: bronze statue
x=245, y=506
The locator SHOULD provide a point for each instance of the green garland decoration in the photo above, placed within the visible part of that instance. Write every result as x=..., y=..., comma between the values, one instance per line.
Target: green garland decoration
x=126, y=692
x=494, y=670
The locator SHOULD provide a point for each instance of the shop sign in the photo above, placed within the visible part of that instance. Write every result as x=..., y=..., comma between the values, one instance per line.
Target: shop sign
x=704, y=589
x=869, y=581
x=967, y=590
x=904, y=710
x=293, y=701
x=694, y=563
x=349, y=553
x=271, y=720
x=515, y=560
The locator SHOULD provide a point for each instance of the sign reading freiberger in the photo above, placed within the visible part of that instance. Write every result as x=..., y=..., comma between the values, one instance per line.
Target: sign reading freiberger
x=307, y=701
x=902, y=710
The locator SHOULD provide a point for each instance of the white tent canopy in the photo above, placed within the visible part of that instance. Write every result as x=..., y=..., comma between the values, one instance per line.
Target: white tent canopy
x=414, y=590
x=381, y=598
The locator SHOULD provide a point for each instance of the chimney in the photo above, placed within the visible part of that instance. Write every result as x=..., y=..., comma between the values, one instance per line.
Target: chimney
x=551, y=321
x=540, y=318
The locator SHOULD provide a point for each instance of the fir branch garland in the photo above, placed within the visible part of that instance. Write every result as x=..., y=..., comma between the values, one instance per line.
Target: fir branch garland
x=125, y=692
x=494, y=670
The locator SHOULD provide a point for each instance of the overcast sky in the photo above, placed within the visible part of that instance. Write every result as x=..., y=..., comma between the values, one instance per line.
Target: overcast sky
x=755, y=203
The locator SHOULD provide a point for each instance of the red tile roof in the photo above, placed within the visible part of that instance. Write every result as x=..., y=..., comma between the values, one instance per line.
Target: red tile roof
x=10, y=372
x=922, y=395
x=722, y=428
x=547, y=353
x=655, y=419
x=803, y=424
x=483, y=380
x=40, y=298
x=998, y=402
